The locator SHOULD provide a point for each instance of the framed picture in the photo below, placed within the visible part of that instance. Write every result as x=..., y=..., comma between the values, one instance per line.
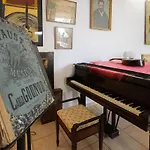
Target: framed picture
x=63, y=38
x=146, y=57
x=61, y=11
x=16, y=11
x=147, y=23
x=101, y=14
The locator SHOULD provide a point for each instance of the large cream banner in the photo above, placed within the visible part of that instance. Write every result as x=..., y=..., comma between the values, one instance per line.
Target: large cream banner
x=24, y=89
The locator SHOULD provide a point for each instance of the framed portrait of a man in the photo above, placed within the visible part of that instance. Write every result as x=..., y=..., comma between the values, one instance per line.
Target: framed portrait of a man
x=101, y=14
x=147, y=23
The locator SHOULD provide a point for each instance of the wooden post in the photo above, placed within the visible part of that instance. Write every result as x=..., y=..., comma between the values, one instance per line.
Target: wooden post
x=21, y=143
x=1, y=9
x=82, y=99
x=29, y=139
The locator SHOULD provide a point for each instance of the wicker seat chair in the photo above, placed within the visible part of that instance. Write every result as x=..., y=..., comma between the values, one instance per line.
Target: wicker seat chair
x=79, y=122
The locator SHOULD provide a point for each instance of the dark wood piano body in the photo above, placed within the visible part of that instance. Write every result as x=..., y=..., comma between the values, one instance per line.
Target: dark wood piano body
x=136, y=90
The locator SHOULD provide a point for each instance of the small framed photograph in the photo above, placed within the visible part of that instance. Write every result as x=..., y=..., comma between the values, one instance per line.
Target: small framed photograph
x=101, y=14
x=61, y=11
x=147, y=23
x=63, y=38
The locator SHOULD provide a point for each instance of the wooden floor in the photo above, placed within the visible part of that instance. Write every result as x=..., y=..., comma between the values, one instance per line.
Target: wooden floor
x=131, y=138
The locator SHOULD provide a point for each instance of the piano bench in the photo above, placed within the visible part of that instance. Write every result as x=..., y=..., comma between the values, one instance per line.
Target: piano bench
x=79, y=122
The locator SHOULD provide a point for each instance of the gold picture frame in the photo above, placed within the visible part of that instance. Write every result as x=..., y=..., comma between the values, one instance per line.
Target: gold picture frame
x=61, y=11
x=147, y=23
x=63, y=38
x=146, y=57
x=101, y=14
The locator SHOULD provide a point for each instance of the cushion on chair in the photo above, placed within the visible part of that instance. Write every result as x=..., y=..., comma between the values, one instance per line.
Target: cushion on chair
x=76, y=114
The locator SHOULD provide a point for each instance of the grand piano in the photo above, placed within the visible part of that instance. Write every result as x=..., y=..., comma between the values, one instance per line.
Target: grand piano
x=121, y=90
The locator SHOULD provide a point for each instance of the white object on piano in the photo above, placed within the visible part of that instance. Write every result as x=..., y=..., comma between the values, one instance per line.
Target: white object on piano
x=128, y=55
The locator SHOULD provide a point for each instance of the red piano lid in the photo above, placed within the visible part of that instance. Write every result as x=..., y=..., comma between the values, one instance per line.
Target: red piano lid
x=21, y=2
x=117, y=64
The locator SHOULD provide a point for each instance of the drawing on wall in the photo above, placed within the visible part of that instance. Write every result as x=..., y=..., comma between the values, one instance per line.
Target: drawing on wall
x=62, y=11
x=147, y=23
x=30, y=18
x=63, y=38
x=101, y=14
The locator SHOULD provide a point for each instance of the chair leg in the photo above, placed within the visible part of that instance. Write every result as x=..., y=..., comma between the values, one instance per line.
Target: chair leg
x=57, y=131
x=101, y=133
x=74, y=146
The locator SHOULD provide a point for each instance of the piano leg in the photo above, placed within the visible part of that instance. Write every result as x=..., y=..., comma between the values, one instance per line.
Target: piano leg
x=113, y=120
x=105, y=115
x=111, y=129
x=82, y=99
x=114, y=124
x=105, y=120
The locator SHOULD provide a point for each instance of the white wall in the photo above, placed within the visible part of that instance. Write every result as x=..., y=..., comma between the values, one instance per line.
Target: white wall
x=90, y=45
